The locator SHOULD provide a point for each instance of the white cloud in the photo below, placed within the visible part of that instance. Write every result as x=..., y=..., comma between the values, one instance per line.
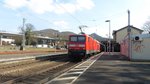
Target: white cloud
x=72, y=7
x=63, y=24
x=14, y=4
x=40, y=6
x=87, y=4
x=62, y=8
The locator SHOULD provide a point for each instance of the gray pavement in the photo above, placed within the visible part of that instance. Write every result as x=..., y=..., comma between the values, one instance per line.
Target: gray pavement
x=116, y=69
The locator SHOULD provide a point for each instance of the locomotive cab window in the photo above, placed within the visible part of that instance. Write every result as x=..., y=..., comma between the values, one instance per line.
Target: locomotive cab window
x=77, y=38
x=81, y=38
x=73, y=38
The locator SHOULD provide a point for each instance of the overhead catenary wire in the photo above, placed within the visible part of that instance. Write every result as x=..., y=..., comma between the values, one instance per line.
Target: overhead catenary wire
x=29, y=14
x=19, y=11
x=57, y=4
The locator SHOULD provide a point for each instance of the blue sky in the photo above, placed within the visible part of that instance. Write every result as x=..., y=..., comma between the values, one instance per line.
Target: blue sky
x=67, y=15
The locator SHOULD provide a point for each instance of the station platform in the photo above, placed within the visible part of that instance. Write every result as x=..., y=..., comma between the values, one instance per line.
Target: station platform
x=114, y=68
x=17, y=57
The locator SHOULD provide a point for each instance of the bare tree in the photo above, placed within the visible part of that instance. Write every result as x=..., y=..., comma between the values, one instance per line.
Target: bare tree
x=28, y=32
x=146, y=27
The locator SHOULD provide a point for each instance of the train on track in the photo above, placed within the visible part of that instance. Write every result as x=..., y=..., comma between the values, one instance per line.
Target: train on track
x=81, y=46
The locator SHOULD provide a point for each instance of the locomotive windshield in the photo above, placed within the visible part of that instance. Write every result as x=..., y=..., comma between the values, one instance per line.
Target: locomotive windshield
x=77, y=38
x=81, y=39
x=73, y=38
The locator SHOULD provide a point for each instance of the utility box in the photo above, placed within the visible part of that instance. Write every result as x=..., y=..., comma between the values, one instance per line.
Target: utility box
x=140, y=47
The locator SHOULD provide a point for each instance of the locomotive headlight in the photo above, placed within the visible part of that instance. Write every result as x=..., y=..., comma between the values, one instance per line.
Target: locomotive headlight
x=72, y=45
x=81, y=45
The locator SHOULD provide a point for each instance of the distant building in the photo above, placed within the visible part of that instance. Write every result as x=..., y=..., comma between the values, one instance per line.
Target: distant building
x=7, y=38
x=119, y=35
x=41, y=41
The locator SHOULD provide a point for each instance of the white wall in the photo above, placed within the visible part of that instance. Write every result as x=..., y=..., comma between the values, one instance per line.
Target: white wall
x=7, y=40
x=141, y=49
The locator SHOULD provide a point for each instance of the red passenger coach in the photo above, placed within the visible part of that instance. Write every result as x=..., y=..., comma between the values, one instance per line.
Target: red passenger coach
x=81, y=46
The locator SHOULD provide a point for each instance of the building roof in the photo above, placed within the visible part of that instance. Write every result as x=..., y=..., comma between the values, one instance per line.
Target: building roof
x=14, y=34
x=115, y=31
x=9, y=34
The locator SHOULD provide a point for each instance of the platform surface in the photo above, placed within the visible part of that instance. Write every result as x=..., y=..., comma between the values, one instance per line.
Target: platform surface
x=116, y=69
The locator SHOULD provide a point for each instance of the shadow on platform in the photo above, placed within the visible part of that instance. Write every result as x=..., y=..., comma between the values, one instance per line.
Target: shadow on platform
x=116, y=69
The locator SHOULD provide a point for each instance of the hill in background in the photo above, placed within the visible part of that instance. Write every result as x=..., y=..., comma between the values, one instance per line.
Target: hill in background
x=53, y=33
x=97, y=37
x=64, y=35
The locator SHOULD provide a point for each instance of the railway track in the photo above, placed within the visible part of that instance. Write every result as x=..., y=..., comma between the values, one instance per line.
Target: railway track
x=33, y=71
x=6, y=65
x=45, y=76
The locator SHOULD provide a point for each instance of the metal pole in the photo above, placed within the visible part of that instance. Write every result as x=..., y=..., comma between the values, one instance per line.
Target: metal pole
x=129, y=35
x=0, y=39
x=109, y=39
x=55, y=42
x=23, y=36
x=108, y=46
x=23, y=32
x=112, y=47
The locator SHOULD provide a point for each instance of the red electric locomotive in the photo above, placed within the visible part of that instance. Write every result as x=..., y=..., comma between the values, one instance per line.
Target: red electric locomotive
x=81, y=46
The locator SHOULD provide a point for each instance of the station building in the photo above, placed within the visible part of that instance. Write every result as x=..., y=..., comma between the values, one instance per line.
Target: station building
x=140, y=43
x=121, y=34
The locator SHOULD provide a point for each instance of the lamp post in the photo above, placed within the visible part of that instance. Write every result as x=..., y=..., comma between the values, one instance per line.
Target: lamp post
x=107, y=43
x=129, y=36
x=109, y=36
